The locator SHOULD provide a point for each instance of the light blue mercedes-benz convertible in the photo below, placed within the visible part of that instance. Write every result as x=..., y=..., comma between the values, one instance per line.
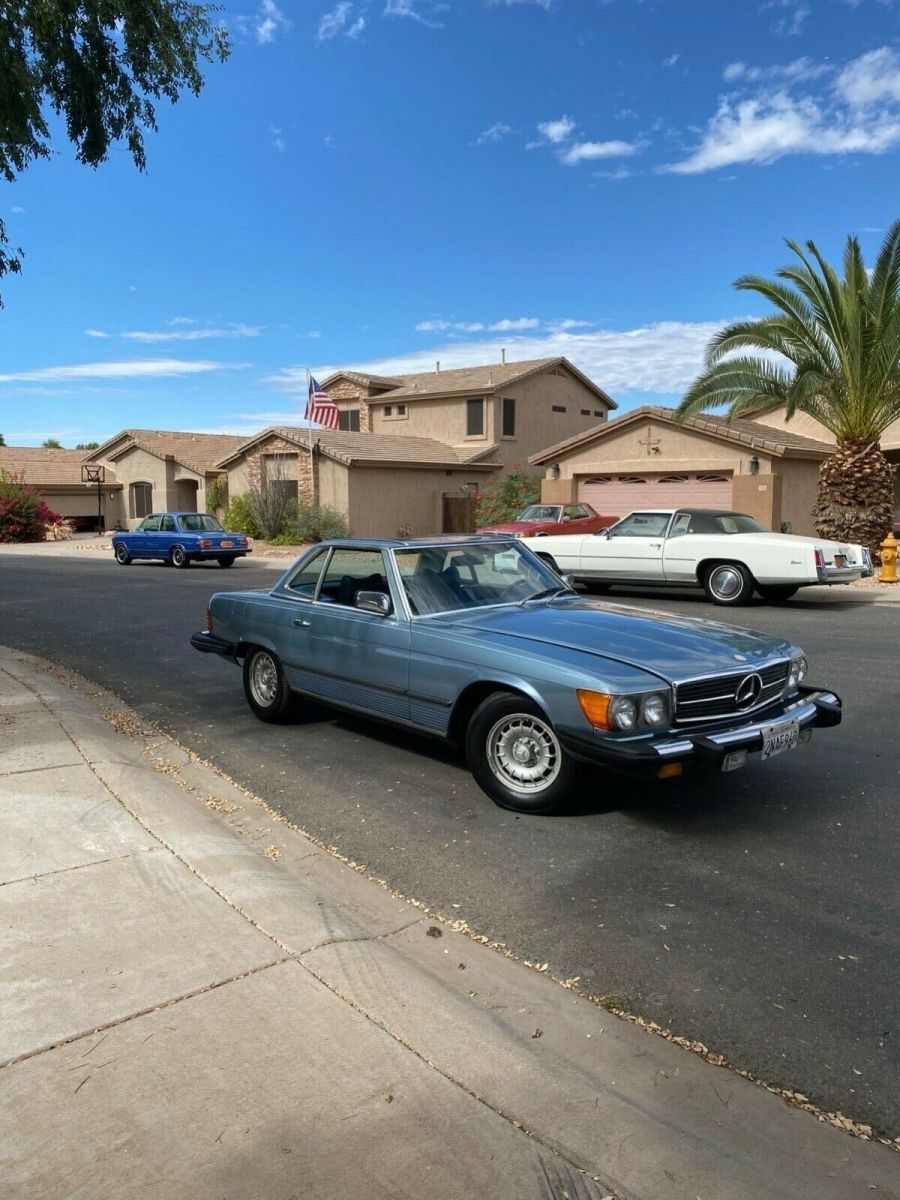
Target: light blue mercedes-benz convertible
x=475, y=640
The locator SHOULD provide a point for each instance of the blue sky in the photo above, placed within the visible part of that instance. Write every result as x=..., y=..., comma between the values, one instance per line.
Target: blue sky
x=393, y=182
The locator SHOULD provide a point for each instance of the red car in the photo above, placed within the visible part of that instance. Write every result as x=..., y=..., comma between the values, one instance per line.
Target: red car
x=537, y=519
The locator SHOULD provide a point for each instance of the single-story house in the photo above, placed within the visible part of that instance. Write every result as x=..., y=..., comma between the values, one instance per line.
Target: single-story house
x=161, y=470
x=57, y=475
x=384, y=485
x=646, y=459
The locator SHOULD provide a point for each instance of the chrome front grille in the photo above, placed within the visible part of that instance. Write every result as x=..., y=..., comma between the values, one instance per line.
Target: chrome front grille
x=718, y=697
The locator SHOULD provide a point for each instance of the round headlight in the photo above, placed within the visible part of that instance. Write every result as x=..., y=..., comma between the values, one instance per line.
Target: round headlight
x=623, y=712
x=654, y=709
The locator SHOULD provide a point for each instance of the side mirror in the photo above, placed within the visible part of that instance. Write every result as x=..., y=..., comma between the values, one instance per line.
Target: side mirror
x=568, y=579
x=603, y=533
x=374, y=602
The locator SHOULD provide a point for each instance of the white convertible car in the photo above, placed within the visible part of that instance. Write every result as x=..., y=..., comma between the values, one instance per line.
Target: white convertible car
x=728, y=554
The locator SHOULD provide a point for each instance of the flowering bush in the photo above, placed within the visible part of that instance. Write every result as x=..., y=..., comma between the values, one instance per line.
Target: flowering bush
x=24, y=516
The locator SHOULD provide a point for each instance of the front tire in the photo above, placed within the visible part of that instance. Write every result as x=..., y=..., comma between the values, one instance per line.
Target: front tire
x=776, y=593
x=225, y=560
x=266, y=688
x=515, y=756
x=123, y=558
x=728, y=584
x=178, y=558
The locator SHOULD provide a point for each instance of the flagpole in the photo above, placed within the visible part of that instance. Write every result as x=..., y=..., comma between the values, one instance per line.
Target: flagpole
x=312, y=468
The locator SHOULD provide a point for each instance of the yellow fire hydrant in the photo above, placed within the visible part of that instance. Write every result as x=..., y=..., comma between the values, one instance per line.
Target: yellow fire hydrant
x=889, y=560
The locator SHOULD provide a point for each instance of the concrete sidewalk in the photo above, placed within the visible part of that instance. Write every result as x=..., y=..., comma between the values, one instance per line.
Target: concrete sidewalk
x=198, y=1001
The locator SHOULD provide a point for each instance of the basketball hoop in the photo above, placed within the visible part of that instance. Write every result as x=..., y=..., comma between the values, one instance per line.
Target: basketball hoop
x=94, y=475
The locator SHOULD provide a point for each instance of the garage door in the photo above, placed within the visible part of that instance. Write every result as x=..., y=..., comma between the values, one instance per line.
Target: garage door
x=620, y=494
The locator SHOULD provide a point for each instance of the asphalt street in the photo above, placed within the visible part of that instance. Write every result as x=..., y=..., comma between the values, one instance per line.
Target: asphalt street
x=755, y=911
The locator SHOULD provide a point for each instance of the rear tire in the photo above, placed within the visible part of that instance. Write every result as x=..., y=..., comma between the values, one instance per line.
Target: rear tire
x=178, y=558
x=225, y=560
x=123, y=558
x=776, y=593
x=515, y=756
x=728, y=584
x=266, y=689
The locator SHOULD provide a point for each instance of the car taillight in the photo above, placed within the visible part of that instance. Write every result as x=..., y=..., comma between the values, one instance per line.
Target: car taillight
x=205, y=543
x=820, y=565
x=208, y=619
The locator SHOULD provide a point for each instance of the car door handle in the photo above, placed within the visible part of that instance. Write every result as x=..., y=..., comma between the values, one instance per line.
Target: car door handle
x=656, y=545
x=302, y=622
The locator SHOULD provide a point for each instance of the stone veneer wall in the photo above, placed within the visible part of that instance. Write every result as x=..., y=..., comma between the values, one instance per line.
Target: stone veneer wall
x=345, y=393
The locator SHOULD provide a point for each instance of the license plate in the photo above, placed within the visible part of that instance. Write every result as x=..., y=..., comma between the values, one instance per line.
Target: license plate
x=778, y=738
x=226, y=544
x=840, y=560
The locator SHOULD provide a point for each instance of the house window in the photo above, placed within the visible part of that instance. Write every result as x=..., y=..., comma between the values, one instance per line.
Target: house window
x=141, y=499
x=586, y=412
x=632, y=479
x=712, y=478
x=558, y=408
x=401, y=410
x=509, y=416
x=672, y=479
x=598, y=412
x=349, y=420
x=388, y=410
x=475, y=418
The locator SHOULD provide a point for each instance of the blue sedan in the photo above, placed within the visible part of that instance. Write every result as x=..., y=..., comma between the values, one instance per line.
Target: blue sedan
x=477, y=641
x=180, y=538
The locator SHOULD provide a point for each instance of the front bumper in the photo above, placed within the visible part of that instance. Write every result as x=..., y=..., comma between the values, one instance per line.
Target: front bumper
x=814, y=708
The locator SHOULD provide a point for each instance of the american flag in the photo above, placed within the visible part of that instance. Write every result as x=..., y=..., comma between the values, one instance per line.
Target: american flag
x=320, y=408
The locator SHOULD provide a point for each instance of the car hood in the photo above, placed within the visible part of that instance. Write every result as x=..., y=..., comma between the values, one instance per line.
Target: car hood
x=670, y=646
x=517, y=527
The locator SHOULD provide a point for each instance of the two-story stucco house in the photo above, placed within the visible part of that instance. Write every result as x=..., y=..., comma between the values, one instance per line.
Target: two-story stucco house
x=515, y=408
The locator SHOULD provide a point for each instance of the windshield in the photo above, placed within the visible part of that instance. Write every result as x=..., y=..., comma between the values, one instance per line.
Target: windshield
x=199, y=523
x=440, y=579
x=539, y=512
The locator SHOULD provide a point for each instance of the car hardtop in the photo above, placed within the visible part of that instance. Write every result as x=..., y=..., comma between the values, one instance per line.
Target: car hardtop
x=419, y=543
x=678, y=512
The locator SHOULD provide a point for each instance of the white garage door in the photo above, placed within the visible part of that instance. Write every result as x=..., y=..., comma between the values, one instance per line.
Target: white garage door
x=619, y=494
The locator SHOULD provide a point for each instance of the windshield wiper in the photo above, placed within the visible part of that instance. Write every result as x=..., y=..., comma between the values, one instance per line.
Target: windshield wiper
x=547, y=593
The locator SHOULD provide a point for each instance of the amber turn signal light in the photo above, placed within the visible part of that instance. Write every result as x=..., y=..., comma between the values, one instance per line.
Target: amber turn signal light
x=595, y=706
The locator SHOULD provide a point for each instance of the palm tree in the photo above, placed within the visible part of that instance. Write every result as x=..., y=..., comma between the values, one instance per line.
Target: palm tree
x=831, y=350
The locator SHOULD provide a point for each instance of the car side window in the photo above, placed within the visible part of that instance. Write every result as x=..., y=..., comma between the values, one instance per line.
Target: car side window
x=351, y=571
x=571, y=512
x=306, y=579
x=151, y=525
x=681, y=525
x=641, y=525
x=167, y=525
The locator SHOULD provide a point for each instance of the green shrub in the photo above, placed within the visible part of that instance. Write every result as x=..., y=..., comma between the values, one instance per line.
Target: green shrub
x=505, y=496
x=312, y=523
x=239, y=518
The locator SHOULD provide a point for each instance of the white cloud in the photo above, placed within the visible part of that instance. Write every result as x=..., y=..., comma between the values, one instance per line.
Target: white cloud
x=356, y=28
x=139, y=368
x=793, y=72
x=545, y=4
x=506, y=324
x=278, y=142
x=408, y=9
x=590, y=151
x=17, y=208
x=662, y=358
x=493, y=133
x=615, y=176
x=334, y=22
x=557, y=131
x=793, y=16
x=860, y=113
x=270, y=21
x=180, y=330
x=671, y=60
x=870, y=79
